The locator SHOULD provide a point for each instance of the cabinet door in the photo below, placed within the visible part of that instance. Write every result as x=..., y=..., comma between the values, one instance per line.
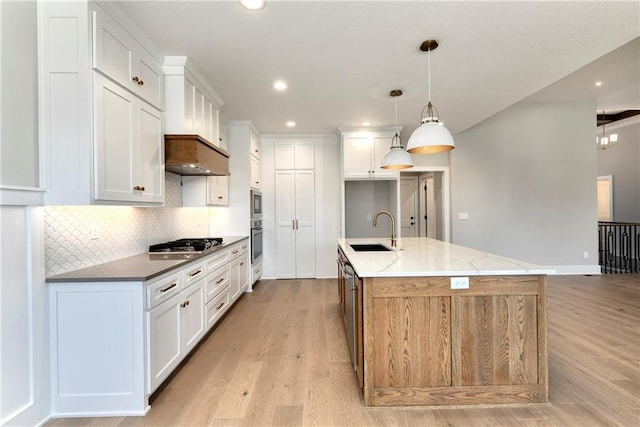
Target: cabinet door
x=112, y=49
x=189, y=106
x=192, y=320
x=218, y=190
x=294, y=155
x=285, y=226
x=150, y=154
x=198, y=112
x=254, y=145
x=380, y=147
x=305, y=248
x=243, y=274
x=114, y=133
x=164, y=340
x=148, y=73
x=255, y=172
x=234, y=282
x=357, y=157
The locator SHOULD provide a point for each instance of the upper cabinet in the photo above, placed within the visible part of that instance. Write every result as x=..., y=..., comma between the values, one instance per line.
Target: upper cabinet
x=254, y=160
x=120, y=57
x=192, y=105
x=363, y=152
x=101, y=96
x=294, y=154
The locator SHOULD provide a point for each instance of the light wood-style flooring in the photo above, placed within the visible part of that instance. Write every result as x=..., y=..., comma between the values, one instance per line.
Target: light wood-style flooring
x=279, y=358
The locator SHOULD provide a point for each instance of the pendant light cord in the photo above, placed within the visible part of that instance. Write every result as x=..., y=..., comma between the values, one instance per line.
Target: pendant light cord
x=429, y=71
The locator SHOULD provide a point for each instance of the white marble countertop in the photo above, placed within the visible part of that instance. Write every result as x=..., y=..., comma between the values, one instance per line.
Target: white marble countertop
x=421, y=256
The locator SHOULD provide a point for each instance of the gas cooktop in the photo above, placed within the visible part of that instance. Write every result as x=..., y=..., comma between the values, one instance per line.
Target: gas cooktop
x=184, y=248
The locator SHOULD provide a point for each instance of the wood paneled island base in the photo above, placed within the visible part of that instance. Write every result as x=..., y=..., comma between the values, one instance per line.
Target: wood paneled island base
x=426, y=344
x=420, y=343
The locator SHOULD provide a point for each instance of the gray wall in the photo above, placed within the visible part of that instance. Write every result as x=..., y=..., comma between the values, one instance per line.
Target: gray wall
x=368, y=197
x=623, y=162
x=527, y=178
x=19, y=87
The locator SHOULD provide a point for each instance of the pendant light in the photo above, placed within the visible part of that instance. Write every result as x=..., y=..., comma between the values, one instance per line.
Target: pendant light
x=605, y=141
x=431, y=137
x=396, y=157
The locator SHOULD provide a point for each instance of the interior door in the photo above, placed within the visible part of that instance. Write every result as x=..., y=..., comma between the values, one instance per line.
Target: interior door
x=409, y=207
x=430, y=206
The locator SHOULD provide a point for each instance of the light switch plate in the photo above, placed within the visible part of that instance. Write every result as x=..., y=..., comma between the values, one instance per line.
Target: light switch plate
x=459, y=283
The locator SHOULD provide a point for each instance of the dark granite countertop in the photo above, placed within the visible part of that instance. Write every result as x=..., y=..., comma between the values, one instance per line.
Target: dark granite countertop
x=135, y=268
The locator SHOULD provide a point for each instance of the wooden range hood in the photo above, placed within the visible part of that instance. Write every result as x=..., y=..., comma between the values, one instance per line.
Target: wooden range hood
x=194, y=155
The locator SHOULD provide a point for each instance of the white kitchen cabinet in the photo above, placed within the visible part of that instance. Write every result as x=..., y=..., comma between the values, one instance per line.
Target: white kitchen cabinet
x=239, y=269
x=295, y=223
x=218, y=190
x=120, y=57
x=129, y=154
x=255, y=172
x=175, y=327
x=254, y=144
x=363, y=152
x=200, y=191
x=294, y=155
x=101, y=137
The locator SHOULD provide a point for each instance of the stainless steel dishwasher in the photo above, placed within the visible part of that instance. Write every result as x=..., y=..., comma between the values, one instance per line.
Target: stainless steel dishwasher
x=350, y=305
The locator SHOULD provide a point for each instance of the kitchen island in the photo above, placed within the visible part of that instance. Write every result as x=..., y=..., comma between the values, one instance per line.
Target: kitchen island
x=432, y=323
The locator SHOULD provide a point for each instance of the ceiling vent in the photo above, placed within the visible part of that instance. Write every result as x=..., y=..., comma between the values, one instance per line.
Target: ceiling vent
x=194, y=155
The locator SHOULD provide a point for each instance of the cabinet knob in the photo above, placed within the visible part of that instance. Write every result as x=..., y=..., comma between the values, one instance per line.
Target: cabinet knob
x=138, y=188
x=141, y=82
x=220, y=197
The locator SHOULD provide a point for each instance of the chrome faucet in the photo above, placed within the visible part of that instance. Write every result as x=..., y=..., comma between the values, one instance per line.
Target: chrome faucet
x=393, y=225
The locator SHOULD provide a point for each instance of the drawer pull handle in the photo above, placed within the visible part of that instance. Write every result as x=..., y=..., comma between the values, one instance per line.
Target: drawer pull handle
x=242, y=263
x=220, y=306
x=195, y=273
x=171, y=286
x=236, y=251
x=220, y=197
x=220, y=281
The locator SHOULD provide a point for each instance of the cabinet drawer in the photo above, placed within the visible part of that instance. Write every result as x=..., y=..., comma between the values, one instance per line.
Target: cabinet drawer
x=163, y=289
x=238, y=250
x=217, y=307
x=216, y=281
x=193, y=274
x=214, y=262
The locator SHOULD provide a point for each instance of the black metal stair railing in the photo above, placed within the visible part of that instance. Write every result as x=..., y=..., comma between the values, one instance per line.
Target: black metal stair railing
x=619, y=247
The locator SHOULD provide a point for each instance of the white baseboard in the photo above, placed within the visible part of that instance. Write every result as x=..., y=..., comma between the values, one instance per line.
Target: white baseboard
x=576, y=269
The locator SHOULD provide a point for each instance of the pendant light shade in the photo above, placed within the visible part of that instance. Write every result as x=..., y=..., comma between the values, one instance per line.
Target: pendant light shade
x=396, y=157
x=431, y=137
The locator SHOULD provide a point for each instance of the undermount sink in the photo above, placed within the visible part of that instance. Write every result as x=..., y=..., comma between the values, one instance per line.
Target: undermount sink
x=369, y=247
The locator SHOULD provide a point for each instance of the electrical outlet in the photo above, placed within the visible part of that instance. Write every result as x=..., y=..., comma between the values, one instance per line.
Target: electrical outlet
x=463, y=215
x=459, y=283
x=93, y=232
x=368, y=217
x=586, y=255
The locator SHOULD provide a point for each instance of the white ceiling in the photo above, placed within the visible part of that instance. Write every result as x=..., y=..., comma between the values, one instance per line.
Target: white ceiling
x=341, y=58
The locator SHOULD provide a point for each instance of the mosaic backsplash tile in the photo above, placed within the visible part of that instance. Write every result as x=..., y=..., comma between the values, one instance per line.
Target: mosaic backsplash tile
x=122, y=231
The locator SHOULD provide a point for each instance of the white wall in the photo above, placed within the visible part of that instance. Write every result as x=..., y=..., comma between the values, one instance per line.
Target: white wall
x=527, y=179
x=623, y=162
x=24, y=345
x=327, y=194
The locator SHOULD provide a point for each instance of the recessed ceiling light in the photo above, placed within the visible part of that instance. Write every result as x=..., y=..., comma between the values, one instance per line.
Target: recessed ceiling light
x=253, y=4
x=366, y=123
x=280, y=85
x=291, y=124
x=598, y=83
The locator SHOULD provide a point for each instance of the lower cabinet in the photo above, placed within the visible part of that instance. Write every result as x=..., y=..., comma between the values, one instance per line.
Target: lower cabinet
x=116, y=342
x=175, y=327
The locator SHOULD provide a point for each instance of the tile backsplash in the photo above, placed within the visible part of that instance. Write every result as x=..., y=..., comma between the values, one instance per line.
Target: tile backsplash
x=121, y=231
